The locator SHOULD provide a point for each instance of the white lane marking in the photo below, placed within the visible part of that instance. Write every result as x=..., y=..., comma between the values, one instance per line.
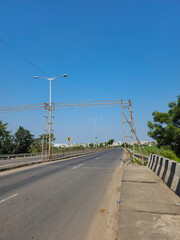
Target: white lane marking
x=78, y=166
x=100, y=168
x=5, y=199
x=97, y=157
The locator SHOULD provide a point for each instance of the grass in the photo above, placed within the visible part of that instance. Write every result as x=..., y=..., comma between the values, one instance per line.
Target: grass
x=162, y=151
x=137, y=160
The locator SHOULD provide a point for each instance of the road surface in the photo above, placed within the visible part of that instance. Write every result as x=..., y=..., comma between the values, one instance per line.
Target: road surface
x=8, y=163
x=56, y=200
x=21, y=160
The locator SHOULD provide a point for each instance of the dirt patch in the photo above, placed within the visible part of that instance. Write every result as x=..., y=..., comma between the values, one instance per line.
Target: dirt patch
x=105, y=223
x=168, y=225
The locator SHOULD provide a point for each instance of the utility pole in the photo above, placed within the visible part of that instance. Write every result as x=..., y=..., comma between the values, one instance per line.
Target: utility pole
x=50, y=112
x=132, y=131
x=125, y=151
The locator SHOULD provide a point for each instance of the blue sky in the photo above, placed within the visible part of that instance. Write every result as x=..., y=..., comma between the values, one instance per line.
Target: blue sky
x=110, y=50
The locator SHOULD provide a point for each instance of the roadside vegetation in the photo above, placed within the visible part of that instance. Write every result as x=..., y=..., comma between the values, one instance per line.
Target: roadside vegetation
x=22, y=141
x=165, y=130
x=163, y=151
x=137, y=160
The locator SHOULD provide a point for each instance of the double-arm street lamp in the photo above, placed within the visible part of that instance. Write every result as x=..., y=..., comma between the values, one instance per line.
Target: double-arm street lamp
x=50, y=108
x=50, y=79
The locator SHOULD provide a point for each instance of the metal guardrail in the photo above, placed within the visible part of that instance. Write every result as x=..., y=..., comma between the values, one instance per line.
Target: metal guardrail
x=65, y=155
x=138, y=155
x=71, y=153
x=55, y=155
x=8, y=156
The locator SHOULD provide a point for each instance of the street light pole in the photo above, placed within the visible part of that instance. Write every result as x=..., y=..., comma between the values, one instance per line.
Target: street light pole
x=50, y=91
x=50, y=110
x=50, y=122
x=95, y=128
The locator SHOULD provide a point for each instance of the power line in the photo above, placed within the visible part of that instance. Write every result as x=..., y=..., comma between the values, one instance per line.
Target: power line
x=18, y=53
x=61, y=90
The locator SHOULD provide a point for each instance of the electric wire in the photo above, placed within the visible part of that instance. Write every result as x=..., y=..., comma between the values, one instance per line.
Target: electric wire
x=22, y=56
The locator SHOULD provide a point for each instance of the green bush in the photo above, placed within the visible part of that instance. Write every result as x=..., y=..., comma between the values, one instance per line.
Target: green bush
x=169, y=154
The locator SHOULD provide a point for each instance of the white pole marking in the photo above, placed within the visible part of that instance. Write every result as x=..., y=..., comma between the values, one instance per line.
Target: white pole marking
x=8, y=198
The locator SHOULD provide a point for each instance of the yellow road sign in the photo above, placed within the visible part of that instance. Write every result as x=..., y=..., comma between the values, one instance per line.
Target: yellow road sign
x=69, y=139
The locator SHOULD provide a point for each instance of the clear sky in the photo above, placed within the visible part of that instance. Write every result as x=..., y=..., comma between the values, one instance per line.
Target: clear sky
x=111, y=49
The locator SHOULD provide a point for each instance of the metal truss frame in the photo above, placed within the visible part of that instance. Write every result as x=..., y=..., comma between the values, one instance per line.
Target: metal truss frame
x=48, y=121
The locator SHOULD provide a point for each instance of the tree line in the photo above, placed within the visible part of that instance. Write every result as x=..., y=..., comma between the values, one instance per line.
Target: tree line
x=22, y=141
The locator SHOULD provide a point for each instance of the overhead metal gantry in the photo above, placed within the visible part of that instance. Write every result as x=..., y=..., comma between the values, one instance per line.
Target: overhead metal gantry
x=48, y=124
x=59, y=105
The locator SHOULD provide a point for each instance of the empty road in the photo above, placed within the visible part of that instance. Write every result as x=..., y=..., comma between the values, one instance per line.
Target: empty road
x=56, y=200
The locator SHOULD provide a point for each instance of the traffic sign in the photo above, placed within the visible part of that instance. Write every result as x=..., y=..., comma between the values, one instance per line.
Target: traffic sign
x=69, y=139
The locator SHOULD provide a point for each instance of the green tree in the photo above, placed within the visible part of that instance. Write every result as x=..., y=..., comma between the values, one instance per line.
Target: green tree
x=23, y=140
x=91, y=145
x=8, y=145
x=46, y=136
x=3, y=130
x=36, y=145
x=6, y=140
x=110, y=142
x=101, y=145
x=166, y=127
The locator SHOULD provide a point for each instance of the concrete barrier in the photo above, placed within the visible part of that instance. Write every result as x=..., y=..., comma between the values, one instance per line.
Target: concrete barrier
x=167, y=170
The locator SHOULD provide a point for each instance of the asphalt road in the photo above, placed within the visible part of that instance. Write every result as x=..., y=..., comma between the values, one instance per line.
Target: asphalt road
x=55, y=201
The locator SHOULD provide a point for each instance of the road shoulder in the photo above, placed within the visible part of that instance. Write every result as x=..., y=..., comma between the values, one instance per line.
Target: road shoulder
x=105, y=223
x=148, y=208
